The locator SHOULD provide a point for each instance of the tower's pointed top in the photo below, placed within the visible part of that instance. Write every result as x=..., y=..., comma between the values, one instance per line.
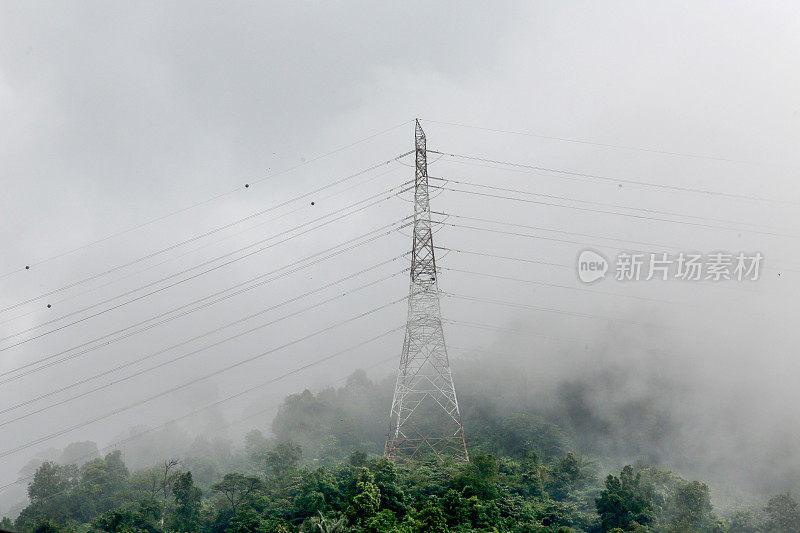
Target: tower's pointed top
x=419, y=135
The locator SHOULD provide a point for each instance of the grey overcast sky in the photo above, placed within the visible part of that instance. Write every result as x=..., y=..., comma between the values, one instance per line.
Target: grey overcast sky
x=113, y=115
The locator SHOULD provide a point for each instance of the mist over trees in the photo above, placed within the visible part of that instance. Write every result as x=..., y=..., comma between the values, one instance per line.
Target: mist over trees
x=543, y=463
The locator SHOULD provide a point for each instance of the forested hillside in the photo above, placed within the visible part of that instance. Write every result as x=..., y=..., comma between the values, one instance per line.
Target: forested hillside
x=531, y=469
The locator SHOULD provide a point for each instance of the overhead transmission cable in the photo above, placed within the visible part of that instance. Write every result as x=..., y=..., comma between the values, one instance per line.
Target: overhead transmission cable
x=605, y=204
x=142, y=401
x=195, y=238
x=566, y=173
x=224, y=400
x=551, y=230
x=553, y=239
x=213, y=198
x=547, y=336
x=495, y=256
x=195, y=250
x=179, y=357
x=382, y=197
x=43, y=362
x=193, y=276
x=556, y=311
x=616, y=213
x=596, y=143
x=661, y=247
x=567, y=287
x=532, y=333
x=219, y=296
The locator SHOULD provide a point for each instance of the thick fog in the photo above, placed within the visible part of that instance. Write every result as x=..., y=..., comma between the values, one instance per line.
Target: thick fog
x=126, y=129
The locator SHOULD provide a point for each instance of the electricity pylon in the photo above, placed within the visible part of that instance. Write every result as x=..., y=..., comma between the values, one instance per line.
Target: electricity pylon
x=424, y=419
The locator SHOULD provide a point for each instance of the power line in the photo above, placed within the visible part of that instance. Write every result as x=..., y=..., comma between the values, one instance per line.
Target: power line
x=553, y=239
x=566, y=173
x=518, y=234
x=595, y=143
x=206, y=263
x=168, y=215
x=481, y=350
x=175, y=359
x=495, y=256
x=130, y=334
x=466, y=323
x=155, y=291
x=329, y=383
x=226, y=399
x=557, y=311
x=606, y=204
x=206, y=245
x=631, y=215
x=523, y=260
x=568, y=287
x=74, y=284
x=594, y=236
x=551, y=230
x=220, y=296
x=531, y=333
x=191, y=382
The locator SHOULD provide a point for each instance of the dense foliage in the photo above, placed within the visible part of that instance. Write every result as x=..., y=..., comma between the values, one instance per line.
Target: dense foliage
x=322, y=472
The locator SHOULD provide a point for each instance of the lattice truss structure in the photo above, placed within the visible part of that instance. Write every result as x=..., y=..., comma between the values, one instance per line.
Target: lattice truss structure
x=425, y=419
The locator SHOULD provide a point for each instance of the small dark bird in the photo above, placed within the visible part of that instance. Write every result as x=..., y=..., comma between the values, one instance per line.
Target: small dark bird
x=27, y=267
x=312, y=203
x=48, y=306
x=246, y=185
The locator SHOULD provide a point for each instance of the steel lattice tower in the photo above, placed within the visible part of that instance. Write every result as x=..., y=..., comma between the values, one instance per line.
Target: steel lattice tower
x=424, y=419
